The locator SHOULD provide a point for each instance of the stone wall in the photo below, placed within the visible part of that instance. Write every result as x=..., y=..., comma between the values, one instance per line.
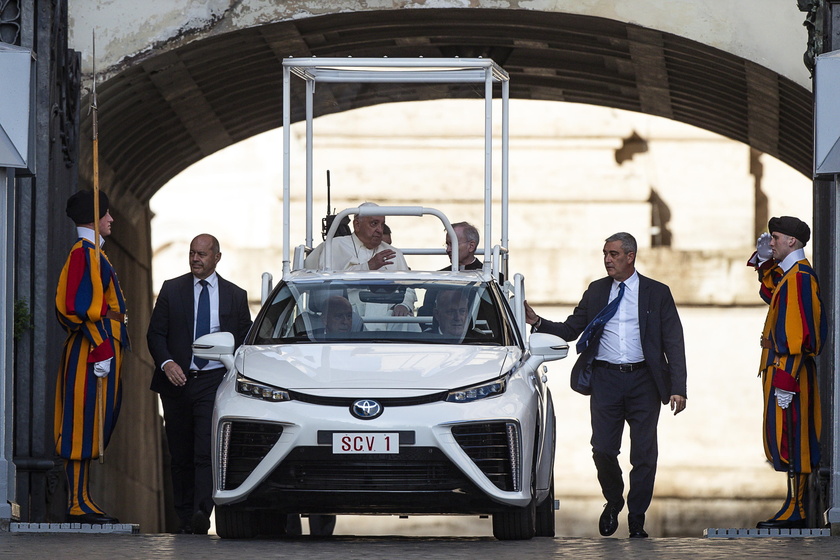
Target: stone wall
x=690, y=197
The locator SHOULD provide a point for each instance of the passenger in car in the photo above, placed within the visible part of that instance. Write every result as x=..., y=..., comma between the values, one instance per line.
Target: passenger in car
x=313, y=319
x=338, y=315
x=361, y=251
x=468, y=239
x=364, y=249
x=386, y=234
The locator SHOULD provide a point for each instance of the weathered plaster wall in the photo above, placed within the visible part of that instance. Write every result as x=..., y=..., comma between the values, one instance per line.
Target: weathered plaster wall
x=768, y=32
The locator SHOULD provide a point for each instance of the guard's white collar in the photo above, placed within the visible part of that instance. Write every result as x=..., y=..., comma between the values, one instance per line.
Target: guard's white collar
x=88, y=233
x=792, y=259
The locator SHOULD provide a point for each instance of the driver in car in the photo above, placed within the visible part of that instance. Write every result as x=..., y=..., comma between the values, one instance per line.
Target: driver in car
x=451, y=314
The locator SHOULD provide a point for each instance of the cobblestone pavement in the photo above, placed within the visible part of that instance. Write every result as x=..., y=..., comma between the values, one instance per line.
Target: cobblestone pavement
x=143, y=546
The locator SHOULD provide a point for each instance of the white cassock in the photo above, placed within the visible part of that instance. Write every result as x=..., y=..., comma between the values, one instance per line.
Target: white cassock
x=349, y=253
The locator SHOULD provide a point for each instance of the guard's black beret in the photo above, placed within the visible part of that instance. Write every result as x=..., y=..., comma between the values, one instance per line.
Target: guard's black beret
x=80, y=207
x=791, y=226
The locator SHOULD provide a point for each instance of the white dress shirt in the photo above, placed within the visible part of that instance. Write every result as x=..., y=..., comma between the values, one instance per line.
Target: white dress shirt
x=621, y=340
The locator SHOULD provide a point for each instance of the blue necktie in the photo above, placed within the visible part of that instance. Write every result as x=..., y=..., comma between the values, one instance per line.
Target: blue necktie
x=202, y=318
x=597, y=325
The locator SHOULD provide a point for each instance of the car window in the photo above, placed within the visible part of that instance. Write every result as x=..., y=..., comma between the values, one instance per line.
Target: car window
x=432, y=312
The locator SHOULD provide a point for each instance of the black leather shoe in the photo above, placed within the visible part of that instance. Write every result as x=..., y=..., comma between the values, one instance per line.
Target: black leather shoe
x=92, y=519
x=200, y=523
x=781, y=524
x=638, y=532
x=608, y=524
x=185, y=530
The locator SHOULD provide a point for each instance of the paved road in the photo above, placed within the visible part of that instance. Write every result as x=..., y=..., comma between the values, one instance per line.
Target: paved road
x=144, y=546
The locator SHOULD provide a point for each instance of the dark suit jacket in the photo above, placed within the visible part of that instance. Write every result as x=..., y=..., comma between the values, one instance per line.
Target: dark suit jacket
x=661, y=334
x=170, y=334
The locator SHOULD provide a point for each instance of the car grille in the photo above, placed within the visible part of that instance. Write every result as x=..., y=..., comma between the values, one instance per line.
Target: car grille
x=412, y=469
x=487, y=445
x=386, y=401
x=243, y=446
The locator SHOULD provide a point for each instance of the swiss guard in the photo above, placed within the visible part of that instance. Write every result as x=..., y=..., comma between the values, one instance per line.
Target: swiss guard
x=91, y=308
x=793, y=335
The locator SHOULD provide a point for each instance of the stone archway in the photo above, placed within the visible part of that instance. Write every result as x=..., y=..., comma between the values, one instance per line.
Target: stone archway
x=168, y=111
x=170, y=102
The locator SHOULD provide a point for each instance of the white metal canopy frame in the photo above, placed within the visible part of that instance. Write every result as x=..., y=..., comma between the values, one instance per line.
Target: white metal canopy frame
x=397, y=70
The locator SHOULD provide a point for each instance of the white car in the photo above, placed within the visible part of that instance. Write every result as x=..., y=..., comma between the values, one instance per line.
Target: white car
x=330, y=411
x=354, y=393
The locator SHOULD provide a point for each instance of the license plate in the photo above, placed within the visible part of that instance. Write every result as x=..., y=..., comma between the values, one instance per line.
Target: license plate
x=366, y=442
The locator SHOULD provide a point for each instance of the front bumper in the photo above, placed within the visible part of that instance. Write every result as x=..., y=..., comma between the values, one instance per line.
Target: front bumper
x=456, y=458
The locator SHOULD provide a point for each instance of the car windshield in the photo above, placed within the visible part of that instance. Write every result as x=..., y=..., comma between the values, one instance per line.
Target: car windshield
x=433, y=312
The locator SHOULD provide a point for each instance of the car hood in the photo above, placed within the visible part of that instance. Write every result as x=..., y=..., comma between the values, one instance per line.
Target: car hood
x=325, y=368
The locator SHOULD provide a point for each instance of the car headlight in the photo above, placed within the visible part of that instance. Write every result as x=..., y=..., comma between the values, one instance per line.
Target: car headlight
x=262, y=391
x=476, y=392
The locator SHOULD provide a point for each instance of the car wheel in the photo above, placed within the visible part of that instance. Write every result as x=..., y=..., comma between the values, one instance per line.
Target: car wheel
x=272, y=523
x=515, y=524
x=545, y=514
x=235, y=523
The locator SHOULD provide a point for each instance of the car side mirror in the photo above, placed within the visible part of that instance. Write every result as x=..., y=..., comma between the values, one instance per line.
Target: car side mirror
x=548, y=346
x=218, y=346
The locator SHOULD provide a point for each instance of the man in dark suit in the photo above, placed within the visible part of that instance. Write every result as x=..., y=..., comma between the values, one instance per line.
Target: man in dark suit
x=187, y=307
x=632, y=356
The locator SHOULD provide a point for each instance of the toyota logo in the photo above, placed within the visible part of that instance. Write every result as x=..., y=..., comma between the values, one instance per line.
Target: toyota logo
x=366, y=409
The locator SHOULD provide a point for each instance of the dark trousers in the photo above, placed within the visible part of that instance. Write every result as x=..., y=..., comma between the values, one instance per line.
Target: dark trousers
x=188, y=419
x=617, y=398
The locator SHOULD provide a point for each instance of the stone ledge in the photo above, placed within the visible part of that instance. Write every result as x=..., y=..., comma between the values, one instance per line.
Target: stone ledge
x=126, y=528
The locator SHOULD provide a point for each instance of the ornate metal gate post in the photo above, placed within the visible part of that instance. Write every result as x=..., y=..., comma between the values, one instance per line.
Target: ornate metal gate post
x=823, y=24
x=39, y=225
x=16, y=134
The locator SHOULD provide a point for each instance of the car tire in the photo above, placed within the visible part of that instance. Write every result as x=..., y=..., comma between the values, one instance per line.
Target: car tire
x=545, y=514
x=272, y=523
x=515, y=524
x=235, y=523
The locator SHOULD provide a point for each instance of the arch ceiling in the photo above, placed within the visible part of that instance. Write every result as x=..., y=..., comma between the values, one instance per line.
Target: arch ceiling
x=168, y=111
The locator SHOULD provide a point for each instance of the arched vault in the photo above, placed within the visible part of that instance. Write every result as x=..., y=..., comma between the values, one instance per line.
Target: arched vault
x=167, y=111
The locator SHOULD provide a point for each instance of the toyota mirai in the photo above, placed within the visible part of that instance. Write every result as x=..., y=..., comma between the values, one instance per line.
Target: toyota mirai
x=339, y=403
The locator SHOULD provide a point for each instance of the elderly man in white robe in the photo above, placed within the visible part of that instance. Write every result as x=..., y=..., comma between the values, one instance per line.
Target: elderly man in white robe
x=365, y=250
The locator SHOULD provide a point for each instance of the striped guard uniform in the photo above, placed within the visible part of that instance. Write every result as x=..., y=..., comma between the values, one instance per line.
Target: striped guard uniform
x=796, y=328
x=793, y=334
x=86, y=291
